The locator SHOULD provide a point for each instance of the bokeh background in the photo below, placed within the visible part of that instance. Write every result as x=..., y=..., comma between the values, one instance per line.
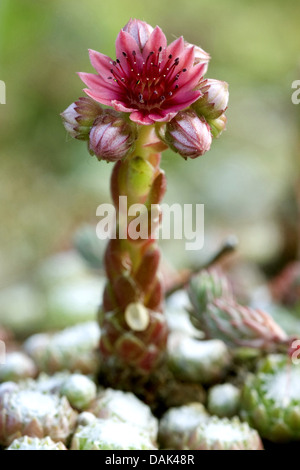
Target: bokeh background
x=50, y=185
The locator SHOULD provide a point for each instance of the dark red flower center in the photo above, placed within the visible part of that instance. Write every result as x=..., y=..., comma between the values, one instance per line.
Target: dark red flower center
x=150, y=83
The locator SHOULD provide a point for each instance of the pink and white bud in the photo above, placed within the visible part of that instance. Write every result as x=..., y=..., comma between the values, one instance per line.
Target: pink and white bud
x=188, y=134
x=201, y=57
x=217, y=126
x=214, y=100
x=112, y=137
x=139, y=30
x=79, y=117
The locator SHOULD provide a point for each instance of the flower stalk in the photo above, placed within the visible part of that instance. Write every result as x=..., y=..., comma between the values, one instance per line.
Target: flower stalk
x=134, y=330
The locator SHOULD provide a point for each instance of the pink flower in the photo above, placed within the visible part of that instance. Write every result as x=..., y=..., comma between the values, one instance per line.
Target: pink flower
x=149, y=79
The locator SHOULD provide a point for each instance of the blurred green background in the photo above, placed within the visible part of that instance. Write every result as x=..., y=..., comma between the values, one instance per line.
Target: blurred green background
x=49, y=183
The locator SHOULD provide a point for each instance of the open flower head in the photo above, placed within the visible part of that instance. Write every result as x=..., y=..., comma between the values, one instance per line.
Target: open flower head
x=149, y=79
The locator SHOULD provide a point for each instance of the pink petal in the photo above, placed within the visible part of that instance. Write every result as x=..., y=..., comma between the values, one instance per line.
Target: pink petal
x=121, y=106
x=139, y=30
x=188, y=57
x=162, y=116
x=125, y=43
x=100, y=62
x=192, y=77
x=186, y=100
x=141, y=118
x=97, y=97
x=97, y=83
x=156, y=40
x=176, y=48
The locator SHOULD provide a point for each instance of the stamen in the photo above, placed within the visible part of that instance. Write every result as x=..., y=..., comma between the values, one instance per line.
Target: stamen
x=124, y=54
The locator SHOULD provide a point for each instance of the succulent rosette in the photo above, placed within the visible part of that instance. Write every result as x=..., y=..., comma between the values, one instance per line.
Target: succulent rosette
x=270, y=399
x=25, y=412
x=197, y=361
x=126, y=407
x=106, y=434
x=177, y=424
x=17, y=366
x=224, y=400
x=224, y=434
x=72, y=349
x=34, y=443
x=79, y=390
x=218, y=314
x=207, y=286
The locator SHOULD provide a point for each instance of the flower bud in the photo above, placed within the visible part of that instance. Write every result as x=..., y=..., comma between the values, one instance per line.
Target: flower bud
x=214, y=101
x=188, y=134
x=112, y=137
x=79, y=117
x=217, y=126
x=201, y=57
x=139, y=30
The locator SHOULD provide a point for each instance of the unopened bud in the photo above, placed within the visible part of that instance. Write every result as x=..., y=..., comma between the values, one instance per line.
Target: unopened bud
x=217, y=126
x=188, y=134
x=139, y=30
x=79, y=117
x=201, y=57
x=214, y=101
x=111, y=137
